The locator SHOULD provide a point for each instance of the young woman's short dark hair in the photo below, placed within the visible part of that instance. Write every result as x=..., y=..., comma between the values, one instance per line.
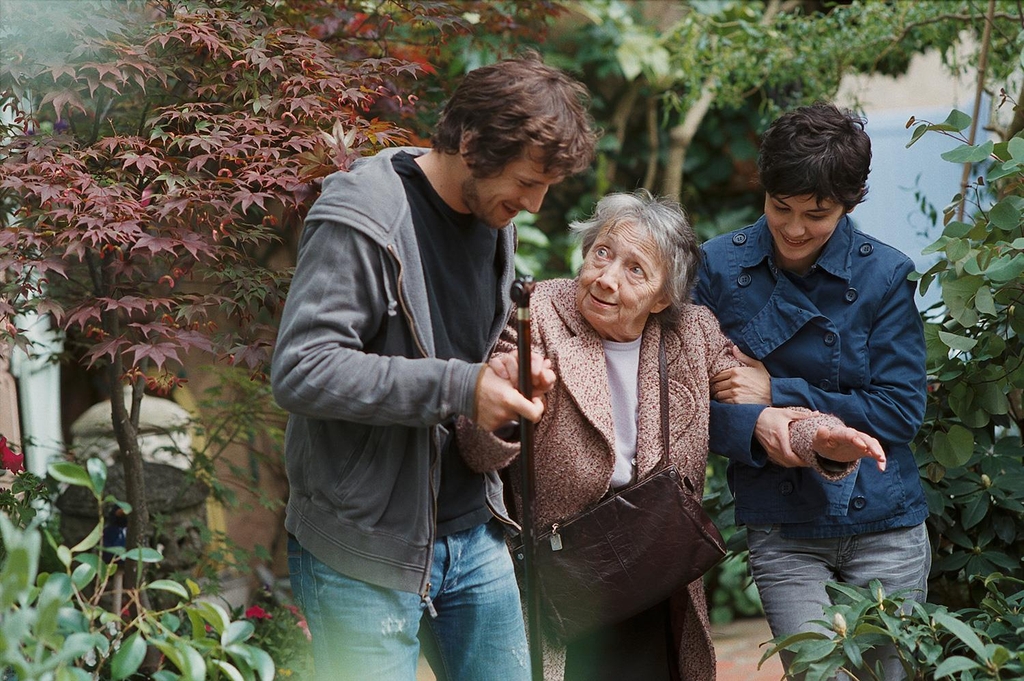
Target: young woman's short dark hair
x=501, y=109
x=816, y=150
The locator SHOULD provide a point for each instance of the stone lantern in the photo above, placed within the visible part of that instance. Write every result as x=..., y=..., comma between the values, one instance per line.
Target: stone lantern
x=176, y=500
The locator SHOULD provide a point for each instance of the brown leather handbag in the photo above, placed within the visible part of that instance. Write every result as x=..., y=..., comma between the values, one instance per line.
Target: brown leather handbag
x=629, y=552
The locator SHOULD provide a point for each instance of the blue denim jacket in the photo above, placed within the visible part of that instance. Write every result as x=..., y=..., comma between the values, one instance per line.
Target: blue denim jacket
x=847, y=339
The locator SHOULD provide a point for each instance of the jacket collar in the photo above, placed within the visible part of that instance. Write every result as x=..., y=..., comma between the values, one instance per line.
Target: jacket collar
x=834, y=258
x=563, y=300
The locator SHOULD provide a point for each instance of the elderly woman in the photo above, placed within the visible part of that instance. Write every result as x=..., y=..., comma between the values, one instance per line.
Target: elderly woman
x=600, y=429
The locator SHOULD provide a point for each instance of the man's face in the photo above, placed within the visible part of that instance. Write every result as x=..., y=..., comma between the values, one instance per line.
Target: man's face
x=521, y=185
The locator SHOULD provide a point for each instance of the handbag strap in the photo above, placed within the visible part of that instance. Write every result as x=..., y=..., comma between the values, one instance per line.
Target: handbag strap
x=663, y=390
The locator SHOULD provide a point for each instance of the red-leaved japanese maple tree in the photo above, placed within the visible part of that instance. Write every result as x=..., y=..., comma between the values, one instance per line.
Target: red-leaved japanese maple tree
x=155, y=152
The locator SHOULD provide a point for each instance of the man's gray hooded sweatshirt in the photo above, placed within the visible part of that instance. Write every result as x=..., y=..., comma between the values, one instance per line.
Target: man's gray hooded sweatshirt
x=354, y=366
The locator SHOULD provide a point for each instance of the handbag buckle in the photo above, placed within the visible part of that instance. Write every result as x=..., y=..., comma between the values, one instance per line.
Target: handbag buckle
x=555, y=539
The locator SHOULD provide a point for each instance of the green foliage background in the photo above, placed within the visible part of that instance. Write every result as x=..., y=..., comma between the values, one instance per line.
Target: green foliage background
x=112, y=132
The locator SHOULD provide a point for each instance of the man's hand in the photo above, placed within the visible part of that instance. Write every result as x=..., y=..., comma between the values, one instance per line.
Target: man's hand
x=847, y=444
x=772, y=431
x=507, y=366
x=498, y=402
x=748, y=384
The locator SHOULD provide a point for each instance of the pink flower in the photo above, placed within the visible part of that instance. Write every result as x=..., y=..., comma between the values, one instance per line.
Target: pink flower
x=305, y=629
x=300, y=621
x=13, y=462
x=255, y=612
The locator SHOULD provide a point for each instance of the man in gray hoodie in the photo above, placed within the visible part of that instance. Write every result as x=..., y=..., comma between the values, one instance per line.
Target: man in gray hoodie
x=399, y=294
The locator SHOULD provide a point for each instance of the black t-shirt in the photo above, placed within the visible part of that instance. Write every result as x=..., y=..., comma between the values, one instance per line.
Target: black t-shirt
x=459, y=259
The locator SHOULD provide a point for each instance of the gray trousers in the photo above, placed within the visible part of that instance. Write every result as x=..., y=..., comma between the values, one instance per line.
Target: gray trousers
x=790, y=574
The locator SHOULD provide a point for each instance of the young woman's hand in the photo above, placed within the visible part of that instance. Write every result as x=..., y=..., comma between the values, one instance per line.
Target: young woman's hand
x=772, y=431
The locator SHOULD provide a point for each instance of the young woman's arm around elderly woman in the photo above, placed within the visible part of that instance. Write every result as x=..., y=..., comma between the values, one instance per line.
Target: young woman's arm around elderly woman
x=601, y=425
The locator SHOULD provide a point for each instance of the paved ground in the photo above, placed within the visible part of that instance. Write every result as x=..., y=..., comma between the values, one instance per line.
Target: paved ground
x=738, y=649
x=737, y=646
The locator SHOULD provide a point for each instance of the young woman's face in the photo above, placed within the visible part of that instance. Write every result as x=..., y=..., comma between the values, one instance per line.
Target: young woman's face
x=622, y=282
x=800, y=227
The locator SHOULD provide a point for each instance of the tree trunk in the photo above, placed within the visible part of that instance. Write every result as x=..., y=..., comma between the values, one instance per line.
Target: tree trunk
x=125, y=424
x=680, y=136
x=986, y=43
x=651, y=174
x=126, y=431
x=619, y=124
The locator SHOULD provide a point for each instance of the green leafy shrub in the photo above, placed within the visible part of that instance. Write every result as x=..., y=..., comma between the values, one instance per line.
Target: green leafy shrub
x=970, y=449
x=79, y=623
x=281, y=628
x=731, y=590
x=932, y=642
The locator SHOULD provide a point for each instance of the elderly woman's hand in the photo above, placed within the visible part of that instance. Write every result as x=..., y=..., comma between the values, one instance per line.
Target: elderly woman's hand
x=772, y=431
x=847, y=444
x=498, y=402
x=506, y=365
x=748, y=384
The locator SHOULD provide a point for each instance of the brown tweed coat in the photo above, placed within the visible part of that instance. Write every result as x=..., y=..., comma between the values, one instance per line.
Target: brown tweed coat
x=574, y=446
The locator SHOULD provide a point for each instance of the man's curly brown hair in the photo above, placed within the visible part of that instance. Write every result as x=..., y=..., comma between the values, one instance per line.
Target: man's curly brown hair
x=500, y=110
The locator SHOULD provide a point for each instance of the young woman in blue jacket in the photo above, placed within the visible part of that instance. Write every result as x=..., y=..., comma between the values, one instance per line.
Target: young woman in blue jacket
x=825, y=318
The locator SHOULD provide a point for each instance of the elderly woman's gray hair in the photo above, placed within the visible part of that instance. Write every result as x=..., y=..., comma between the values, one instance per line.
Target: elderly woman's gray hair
x=662, y=218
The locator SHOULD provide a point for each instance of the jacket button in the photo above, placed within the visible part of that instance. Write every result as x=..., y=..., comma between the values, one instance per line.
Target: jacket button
x=859, y=503
x=830, y=338
x=851, y=295
x=743, y=280
x=825, y=384
x=785, y=488
x=739, y=239
x=865, y=249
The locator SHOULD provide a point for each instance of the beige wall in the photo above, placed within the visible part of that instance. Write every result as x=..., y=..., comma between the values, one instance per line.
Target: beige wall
x=927, y=83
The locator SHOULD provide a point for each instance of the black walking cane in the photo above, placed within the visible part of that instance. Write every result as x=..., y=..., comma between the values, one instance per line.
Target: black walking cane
x=521, y=290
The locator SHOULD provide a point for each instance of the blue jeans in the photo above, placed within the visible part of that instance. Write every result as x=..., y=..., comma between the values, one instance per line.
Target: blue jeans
x=790, y=574
x=365, y=632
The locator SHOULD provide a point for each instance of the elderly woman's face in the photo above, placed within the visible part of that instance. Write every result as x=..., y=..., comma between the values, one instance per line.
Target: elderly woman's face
x=622, y=282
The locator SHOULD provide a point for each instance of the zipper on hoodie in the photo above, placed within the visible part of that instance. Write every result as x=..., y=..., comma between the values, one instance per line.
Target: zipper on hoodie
x=425, y=585
x=435, y=458
x=401, y=301
x=503, y=519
